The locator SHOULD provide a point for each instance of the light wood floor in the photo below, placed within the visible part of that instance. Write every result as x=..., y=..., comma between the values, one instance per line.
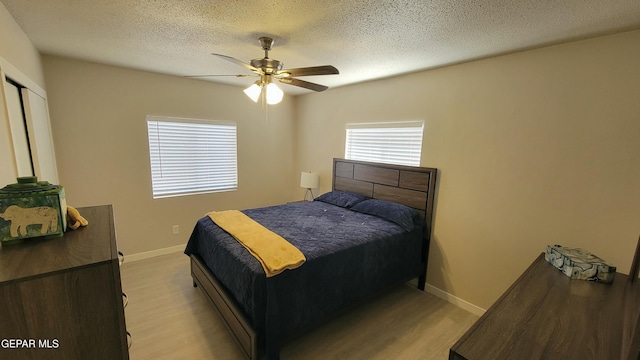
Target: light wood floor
x=170, y=319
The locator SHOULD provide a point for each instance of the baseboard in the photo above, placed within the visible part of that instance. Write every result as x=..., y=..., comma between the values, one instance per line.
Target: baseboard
x=454, y=300
x=154, y=253
x=428, y=288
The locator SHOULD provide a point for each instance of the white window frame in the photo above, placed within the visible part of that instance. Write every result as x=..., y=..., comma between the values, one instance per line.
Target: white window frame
x=397, y=143
x=191, y=156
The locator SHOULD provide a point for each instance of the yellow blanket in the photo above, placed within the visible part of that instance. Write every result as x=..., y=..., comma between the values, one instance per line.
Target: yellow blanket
x=274, y=253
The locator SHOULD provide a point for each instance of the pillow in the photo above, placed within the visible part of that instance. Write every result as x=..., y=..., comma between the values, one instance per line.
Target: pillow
x=341, y=198
x=404, y=216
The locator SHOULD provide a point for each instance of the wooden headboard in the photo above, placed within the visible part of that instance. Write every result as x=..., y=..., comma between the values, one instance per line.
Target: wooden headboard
x=406, y=185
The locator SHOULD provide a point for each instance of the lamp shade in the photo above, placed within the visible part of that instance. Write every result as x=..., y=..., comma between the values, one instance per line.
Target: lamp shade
x=274, y=94
x=309, y=180
x=253, y=92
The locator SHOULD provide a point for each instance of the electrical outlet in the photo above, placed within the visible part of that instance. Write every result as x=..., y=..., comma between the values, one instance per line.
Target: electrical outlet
x=175, y=229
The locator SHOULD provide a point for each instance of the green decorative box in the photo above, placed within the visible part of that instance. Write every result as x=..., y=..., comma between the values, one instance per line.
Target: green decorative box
x=579, y=264
x=31, y=208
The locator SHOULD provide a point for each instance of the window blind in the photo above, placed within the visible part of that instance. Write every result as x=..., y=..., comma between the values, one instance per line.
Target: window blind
x=391, y=143
x=191, y=156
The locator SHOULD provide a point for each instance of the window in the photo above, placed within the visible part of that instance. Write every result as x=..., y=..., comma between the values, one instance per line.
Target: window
x=191, y=156
x=392, y=143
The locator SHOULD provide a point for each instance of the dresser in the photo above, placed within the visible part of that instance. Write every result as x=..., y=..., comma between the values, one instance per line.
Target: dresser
x=61, y=298
x=546, y=315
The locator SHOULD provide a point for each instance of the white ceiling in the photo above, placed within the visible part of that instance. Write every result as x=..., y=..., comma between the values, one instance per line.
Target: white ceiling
x=364, y=39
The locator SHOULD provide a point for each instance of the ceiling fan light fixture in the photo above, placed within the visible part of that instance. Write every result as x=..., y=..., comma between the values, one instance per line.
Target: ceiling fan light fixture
x=267, y=69
x=253, y=92
x=273, y=93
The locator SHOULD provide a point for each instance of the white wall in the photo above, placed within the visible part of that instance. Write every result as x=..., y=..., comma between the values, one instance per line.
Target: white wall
x=98, y=115
x=533, y=148
x=17, y=50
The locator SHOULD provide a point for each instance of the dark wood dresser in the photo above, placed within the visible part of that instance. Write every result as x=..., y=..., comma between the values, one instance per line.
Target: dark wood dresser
x=61, y=298
x=546, y=315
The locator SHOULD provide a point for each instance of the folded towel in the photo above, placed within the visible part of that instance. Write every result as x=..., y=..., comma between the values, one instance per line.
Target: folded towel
x=272, y=251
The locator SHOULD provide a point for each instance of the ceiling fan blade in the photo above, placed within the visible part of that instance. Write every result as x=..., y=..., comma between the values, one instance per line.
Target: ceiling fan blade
x=304, y=84
x=212, y=75
x=236, y=61
x=308, y=71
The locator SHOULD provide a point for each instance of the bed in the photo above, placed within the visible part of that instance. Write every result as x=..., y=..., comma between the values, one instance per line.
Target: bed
x=369, y=233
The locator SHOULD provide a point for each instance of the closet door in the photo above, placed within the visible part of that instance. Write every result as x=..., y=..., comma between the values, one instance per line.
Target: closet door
x=16, y=158
x=40, y=139
x=8, y=172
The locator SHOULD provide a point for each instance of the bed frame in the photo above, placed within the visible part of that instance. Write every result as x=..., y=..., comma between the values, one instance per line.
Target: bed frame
x=410, y=186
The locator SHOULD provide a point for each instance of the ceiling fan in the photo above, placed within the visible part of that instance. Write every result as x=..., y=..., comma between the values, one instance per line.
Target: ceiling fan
x=269, y=69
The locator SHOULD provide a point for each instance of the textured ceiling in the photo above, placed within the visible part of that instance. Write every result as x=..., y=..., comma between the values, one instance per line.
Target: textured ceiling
x=365, y=39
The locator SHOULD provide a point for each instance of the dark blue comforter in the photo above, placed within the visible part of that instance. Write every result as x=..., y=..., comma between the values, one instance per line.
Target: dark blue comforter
x=350, y=257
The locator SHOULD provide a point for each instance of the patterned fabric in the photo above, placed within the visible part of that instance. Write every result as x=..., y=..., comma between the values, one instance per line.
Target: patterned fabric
x=274, y=253
x=402, y=215
x=350, y=257
x=579, y=264
x=341, y=198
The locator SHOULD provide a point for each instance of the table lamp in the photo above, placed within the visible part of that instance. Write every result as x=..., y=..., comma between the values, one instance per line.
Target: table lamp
x=309, y=180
